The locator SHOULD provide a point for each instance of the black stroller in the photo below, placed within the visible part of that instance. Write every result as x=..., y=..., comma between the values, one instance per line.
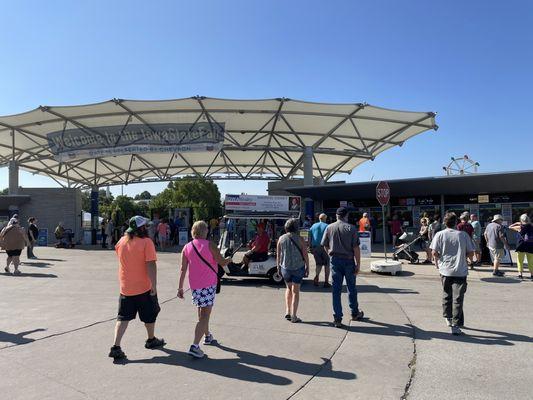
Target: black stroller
x=404, y=251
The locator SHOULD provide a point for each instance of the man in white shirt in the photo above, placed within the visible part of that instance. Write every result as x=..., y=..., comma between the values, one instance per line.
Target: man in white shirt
x=451, y=248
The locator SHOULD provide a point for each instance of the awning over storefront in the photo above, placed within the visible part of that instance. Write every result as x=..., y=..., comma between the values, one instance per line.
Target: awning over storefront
x=126, y=141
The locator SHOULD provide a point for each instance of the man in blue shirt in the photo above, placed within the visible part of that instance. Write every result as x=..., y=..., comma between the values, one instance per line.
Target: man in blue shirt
x=321, y=257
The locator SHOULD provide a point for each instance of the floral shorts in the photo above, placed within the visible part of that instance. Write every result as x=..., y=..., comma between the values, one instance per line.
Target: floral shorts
x=204, y=297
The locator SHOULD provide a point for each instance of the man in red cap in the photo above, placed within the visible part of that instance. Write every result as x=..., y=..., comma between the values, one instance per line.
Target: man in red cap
x=258, y=247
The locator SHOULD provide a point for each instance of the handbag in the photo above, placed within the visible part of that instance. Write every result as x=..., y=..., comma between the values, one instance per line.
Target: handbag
x=210, y=267
x=298, y=247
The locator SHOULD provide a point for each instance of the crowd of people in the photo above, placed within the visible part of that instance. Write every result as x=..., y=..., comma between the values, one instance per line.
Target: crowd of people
x=453, y=246
x=200, y=258
x=164, y=232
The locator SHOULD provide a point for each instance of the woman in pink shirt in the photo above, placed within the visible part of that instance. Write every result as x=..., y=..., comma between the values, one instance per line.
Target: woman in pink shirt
x=200, y=257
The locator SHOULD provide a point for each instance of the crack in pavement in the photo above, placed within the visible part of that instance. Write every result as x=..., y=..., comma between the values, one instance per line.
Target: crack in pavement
x=321, y=368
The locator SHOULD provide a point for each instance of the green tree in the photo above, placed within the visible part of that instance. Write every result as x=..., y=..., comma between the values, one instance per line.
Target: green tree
x=104, y=202
x=202, y=195
x=124, y=207
x=143, y=196
x=4, y=192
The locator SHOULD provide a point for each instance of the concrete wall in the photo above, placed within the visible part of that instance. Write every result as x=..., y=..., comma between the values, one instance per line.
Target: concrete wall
x=51, y=205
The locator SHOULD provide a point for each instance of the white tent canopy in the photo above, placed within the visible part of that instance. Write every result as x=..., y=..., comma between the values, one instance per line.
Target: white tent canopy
x=261, y=139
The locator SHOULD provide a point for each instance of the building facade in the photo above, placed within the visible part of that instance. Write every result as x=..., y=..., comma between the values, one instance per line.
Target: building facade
x=509, y=194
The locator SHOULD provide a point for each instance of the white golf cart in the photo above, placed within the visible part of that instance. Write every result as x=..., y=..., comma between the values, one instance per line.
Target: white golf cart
x=239, y=232
x=243, y=213
x=240, y=229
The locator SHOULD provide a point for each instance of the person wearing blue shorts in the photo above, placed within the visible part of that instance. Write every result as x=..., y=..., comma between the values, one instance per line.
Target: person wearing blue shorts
x=293, y=265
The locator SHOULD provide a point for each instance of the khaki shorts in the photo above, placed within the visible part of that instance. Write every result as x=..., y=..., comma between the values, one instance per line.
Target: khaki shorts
x=497, y=254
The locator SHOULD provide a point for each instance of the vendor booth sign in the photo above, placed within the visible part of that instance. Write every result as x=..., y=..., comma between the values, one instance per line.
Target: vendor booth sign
x=365, y=244
x=183, y=236
x=42, y=238
x=262, y=203
x=104, y=141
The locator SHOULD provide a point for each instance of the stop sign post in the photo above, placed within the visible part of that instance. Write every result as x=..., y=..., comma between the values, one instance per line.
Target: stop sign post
x=383, y=196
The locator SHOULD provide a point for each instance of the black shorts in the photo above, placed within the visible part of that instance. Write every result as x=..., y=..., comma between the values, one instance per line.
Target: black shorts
x=146, y=305
x=13, y=253
x=320, y=255
x=254, y=256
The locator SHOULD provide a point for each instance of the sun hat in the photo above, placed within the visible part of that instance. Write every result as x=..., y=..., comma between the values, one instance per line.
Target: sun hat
x=341, y=211
x=497, y=217
x=135, y=223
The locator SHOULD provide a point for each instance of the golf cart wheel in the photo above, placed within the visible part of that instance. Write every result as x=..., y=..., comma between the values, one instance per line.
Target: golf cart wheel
x=275, y=277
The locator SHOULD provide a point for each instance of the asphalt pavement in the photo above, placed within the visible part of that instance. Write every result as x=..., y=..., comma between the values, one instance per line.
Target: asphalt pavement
x=58, y=317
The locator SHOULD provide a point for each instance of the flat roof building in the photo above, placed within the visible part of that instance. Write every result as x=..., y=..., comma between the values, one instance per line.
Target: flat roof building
x=509, y=194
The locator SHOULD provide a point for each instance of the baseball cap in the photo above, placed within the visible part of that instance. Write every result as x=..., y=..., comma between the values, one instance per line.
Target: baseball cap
x=135, y=223
x=341, y=211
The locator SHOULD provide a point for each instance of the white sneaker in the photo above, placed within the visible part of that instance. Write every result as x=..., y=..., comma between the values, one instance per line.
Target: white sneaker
x=195, y=351
x=448, y=322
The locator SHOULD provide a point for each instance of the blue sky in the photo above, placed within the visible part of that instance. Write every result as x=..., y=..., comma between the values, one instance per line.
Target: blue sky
x=471, y=62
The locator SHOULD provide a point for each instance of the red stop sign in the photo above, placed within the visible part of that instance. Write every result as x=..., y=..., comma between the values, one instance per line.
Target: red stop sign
x=383, y=193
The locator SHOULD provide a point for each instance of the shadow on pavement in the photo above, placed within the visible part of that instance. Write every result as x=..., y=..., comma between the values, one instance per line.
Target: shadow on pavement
x=36, y=264
x=481, y=336
x=18, y=338
x=242, y=368
x=500, y=280
x=360, y=289
x=31, y=275
x=307, y=286
x=50, y=259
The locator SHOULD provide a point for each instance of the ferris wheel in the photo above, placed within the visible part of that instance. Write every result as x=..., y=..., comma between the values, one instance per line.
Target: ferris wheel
x=461, y=166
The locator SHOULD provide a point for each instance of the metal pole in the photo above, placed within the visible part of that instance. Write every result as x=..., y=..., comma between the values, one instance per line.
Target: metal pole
x=308, y=209
x=384, y=241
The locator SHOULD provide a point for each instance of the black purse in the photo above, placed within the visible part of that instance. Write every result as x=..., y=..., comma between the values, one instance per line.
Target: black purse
x=219, y=274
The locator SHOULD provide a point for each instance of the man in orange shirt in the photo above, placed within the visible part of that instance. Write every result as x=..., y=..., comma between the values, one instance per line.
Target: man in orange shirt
x=137, y=275
x=364, y=223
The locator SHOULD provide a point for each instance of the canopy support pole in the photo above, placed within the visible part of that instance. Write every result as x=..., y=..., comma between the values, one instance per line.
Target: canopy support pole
x=13, y=168
x=94, y=213
x=308, y=179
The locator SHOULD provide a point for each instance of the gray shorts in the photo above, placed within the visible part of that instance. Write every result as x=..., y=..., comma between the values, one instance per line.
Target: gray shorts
x=477, y=244
x=320, y=255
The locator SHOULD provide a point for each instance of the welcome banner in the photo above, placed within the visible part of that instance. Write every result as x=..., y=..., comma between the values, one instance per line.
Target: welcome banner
x=79, y=143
